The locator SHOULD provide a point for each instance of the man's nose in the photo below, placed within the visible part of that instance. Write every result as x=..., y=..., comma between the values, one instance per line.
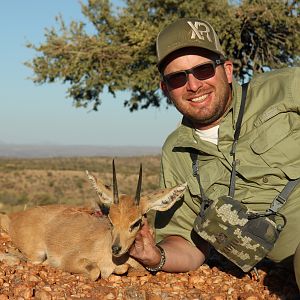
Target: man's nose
x=193, y=83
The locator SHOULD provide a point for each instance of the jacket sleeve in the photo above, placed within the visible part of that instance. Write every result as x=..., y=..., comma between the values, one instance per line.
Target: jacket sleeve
x=180, y=218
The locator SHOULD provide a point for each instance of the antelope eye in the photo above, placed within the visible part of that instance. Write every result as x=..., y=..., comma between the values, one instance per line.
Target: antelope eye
x=136, y=224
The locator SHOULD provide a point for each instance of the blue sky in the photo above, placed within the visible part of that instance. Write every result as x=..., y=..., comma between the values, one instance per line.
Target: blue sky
x=42, y=114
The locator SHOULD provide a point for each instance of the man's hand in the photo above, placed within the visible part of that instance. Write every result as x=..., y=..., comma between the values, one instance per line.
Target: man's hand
x=181, y=255
x=144, y=248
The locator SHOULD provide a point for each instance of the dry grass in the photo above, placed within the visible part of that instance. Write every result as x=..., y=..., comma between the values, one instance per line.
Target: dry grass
x=30, y=182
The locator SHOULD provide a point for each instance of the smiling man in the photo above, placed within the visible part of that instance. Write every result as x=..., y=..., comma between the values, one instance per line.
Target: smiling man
x=238, y=150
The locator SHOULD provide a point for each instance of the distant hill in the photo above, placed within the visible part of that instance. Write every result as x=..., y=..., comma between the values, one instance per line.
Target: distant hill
x=36, y=151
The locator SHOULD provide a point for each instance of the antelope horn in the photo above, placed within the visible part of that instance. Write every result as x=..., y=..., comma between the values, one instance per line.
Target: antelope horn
x=115, y=185
x=139, y=187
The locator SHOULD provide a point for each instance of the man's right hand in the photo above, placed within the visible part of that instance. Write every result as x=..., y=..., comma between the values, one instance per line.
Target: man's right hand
x=144, y=248
x=181, y=255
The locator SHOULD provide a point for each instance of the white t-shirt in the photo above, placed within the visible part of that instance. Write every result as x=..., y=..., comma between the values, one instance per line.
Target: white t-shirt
x=210, y=135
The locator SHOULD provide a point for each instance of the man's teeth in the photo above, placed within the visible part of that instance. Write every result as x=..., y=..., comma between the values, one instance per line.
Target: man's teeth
x=199, y=99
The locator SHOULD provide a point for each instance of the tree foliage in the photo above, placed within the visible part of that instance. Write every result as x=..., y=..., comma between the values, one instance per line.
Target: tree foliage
x=119, y=52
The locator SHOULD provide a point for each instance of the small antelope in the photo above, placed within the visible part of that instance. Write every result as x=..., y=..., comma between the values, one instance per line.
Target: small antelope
x=79, y=242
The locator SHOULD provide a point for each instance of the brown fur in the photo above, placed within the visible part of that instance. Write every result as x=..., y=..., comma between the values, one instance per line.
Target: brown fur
x=78, y=242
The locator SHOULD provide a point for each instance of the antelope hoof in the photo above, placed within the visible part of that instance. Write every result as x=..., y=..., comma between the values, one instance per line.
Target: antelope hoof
x=93, y=271
x=121, y=269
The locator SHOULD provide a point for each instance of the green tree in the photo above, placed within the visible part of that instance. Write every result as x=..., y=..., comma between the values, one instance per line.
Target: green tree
x=119, y=54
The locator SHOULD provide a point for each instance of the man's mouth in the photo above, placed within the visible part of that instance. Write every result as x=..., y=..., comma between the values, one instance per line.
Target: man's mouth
x=199, y=99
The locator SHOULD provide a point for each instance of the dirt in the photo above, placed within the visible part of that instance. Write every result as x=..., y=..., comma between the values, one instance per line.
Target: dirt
x=216, y=280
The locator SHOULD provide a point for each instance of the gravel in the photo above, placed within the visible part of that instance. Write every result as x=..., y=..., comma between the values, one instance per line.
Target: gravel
x=216, y=280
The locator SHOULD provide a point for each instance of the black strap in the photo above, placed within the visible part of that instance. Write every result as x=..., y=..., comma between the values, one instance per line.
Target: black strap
x=204, y=200
x=281, y=199
x=236, y=137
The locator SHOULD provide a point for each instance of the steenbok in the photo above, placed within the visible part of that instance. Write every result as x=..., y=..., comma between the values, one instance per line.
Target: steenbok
x=78, y=242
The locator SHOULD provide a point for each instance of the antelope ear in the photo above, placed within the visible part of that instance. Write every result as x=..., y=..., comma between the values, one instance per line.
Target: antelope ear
x=162, y=199
x=104, y=194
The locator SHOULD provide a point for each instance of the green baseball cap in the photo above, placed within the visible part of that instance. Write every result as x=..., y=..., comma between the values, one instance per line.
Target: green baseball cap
x=187, y=32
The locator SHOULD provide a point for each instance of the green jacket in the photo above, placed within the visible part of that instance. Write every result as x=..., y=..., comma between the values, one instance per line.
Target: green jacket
x=268, y=155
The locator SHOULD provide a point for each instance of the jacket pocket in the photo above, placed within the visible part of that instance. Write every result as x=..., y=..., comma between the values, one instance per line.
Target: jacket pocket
x=211, y=173
x=278, y=144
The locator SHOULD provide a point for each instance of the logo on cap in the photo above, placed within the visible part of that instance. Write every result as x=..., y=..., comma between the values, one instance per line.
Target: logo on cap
x=196, y=32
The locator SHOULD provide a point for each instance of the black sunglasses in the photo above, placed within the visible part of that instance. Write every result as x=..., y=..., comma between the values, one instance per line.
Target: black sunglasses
x=201, y=72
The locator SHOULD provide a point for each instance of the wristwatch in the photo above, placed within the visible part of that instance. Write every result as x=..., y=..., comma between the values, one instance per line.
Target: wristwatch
x=162, y=260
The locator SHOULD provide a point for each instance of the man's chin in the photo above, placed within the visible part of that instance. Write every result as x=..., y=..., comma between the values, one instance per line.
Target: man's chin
x=205, y=124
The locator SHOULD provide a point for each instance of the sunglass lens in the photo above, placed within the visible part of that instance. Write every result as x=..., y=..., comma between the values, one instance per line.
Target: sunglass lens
x=204, y=71
x=176, y=80
x=201, y=72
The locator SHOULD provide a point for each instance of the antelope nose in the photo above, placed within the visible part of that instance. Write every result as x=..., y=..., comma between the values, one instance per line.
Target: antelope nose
x=116, y=249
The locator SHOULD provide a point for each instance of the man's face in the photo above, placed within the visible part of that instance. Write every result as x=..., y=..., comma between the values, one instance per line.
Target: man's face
x=204, y=102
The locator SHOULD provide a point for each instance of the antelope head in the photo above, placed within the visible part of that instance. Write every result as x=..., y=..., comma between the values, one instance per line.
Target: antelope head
x=126, y=213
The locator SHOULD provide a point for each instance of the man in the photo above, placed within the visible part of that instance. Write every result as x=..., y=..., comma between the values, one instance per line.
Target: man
x=198, y=79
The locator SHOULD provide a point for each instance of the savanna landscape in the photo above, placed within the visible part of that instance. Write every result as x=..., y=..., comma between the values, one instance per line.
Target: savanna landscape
x=26, y=183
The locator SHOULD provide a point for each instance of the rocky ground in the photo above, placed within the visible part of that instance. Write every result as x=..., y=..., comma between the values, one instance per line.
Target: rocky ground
x=216, y=280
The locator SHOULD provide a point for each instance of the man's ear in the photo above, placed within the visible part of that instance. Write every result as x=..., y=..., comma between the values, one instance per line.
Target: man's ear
x=164, y=88
x=228, y=67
